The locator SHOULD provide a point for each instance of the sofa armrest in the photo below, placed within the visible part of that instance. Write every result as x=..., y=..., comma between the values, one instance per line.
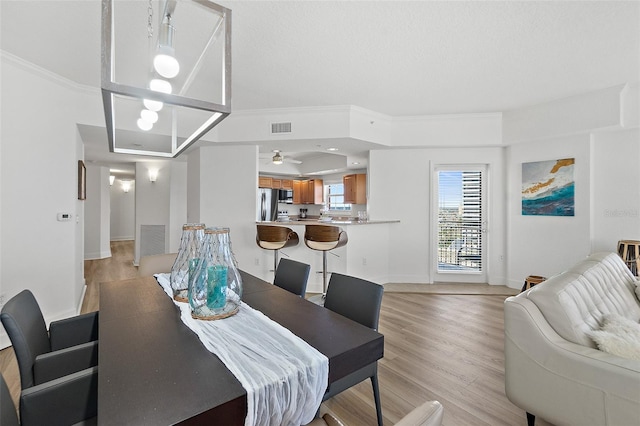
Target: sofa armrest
x=64, y=401
x=73, y=331
x=53, y=365
x=560, y=381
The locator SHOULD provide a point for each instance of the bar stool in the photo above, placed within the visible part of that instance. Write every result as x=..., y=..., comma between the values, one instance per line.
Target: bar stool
x=629, y=251
x=532, y=280
x=324, y=238
x=271, y=237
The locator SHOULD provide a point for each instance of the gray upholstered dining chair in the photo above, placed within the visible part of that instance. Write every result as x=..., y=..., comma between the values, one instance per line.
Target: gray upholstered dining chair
x=358, y=300
x=71, y=399
x=292, y=276
x=69, y=346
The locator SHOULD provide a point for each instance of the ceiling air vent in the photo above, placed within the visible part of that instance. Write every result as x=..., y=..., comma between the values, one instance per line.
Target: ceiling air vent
x=280, y=128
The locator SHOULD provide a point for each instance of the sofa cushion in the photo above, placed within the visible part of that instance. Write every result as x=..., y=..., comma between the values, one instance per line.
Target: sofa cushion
x=618, y=336
x=574, y=302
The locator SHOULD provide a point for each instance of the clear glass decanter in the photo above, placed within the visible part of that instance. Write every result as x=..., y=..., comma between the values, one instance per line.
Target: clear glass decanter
x=215, y=288
x=186, y=261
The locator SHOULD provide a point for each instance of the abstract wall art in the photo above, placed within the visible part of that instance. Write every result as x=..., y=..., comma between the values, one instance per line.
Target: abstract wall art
x=548, y=188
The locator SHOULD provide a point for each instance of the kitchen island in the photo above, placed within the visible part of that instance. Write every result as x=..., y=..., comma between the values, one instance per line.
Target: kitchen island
x=364, y=256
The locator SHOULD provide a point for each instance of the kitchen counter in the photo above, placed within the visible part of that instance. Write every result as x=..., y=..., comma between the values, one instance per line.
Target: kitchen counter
x=332, y=222
x=360, y=257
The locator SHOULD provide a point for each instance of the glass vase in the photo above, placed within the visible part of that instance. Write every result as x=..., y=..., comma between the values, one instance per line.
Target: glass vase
x=187, y=259
x=215, y=288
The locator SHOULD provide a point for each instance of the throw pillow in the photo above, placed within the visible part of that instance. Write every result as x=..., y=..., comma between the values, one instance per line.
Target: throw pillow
x=618, y=336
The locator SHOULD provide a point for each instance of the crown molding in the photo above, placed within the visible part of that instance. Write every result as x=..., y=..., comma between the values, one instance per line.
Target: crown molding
x=46, y=74
x=442, y=117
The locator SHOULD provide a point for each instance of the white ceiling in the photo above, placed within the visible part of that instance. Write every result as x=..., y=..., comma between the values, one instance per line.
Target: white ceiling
x=395, y=57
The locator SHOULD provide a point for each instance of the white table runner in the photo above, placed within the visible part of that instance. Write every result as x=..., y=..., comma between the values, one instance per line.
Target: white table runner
x=285, y=378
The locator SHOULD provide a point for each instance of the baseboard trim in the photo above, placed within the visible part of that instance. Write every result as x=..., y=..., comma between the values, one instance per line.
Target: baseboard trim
x=84, y=292
x=98, y=255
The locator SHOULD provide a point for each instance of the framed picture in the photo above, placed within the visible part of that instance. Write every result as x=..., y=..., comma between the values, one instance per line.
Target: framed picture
x=82, y=180
x=548, y=188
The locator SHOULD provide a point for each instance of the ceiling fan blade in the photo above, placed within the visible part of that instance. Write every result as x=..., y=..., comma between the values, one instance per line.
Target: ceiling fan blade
x=292, y=161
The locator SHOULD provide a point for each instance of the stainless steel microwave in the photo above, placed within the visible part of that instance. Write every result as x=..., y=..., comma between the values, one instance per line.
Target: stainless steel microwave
x=285, y=196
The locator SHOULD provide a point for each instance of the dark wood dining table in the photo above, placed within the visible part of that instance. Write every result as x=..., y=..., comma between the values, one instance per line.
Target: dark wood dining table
x=153, y=370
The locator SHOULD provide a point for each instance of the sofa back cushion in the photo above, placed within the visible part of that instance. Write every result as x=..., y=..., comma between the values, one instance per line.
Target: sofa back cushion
x=574, y=302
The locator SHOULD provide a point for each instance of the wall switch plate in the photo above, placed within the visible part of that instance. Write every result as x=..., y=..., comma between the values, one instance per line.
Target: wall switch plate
x=64, y=217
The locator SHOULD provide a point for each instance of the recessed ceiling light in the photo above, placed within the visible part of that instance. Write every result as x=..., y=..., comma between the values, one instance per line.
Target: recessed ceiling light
x=356, y=162
x=332, y=149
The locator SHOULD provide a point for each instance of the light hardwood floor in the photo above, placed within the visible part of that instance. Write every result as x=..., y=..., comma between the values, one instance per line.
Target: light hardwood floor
x=446, y=346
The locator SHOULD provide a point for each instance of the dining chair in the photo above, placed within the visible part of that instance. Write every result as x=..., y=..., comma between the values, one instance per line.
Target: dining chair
x=358, y=300
x=69, y=400
x=292, y=276
x=156, y=264
x=69, y=346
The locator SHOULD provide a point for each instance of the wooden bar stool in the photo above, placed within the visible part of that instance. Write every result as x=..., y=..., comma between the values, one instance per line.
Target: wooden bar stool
x=629, y=251
x=271, y=237
x=532, y=280
x=324, y=238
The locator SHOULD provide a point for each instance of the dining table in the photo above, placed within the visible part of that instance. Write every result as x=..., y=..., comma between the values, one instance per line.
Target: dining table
x=153, y=370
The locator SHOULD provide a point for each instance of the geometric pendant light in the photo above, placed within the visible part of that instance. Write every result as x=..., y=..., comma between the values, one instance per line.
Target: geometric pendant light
x=166, y=73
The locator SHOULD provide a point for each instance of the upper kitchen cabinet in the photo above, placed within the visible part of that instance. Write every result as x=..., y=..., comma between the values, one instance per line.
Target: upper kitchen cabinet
x=297, y=191
x=308, y=191
x=265, y=182
x=287, y=184
x=274, y=183
x=355, y=188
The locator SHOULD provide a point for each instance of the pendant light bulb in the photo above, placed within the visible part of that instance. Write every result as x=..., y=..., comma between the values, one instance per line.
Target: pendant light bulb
x=152, y=105
x=159, y=85
x=144, y=125
x=149, y=116
x=165, y=62
x=166, y=65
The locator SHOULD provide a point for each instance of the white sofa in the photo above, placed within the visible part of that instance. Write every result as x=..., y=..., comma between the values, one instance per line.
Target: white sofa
x=553, y=369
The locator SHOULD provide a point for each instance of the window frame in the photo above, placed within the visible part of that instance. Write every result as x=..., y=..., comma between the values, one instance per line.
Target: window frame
x=345, y=207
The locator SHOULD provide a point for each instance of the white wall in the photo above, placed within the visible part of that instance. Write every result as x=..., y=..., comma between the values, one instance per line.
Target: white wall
x=123, y=211
x=589, y=128
x=152, y=200
x=615, y=188
x=546, y=245
x=39, y=154
x=96, y=213
x=226, y=190
x=400, y=187
x=178, y=204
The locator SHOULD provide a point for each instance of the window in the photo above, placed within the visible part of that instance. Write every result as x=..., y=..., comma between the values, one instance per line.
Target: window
x=335, y=197
x=460, y=220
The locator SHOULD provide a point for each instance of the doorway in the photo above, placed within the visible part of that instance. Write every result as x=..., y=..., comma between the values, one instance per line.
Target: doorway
x=459, y=225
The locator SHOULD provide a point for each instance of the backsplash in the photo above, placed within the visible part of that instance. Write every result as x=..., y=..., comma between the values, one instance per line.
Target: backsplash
x=313, y=210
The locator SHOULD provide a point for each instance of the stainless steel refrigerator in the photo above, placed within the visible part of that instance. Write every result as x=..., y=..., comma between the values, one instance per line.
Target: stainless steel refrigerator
x=268, y=204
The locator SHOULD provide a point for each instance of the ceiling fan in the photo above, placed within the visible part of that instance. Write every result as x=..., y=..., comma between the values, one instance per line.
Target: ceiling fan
x=279, y=158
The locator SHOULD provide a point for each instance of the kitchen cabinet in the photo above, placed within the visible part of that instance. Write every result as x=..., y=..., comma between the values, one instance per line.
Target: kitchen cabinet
x=309, y=191
x=274, y=183
x=355, y=188
x=315, y=192
x=297, y=191
x=265, y=182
